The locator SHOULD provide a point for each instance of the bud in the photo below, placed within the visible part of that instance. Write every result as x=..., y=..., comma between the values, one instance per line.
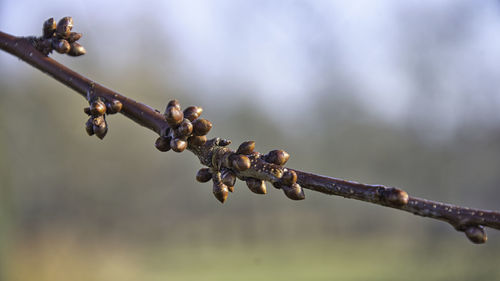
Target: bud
x=289, y=177
x=201, y=127
x=246, y=147
x=76, y=50
x=64, y=27
x=278, y=157
x=395, y=196
x=86, y=110
x=114, y=106
x=174, y=103
x=230, y=188
x=74, y=36
x=89, y=127
x=174, y=116
x=294, y=192
x=241, y=162
x=185, y=128
x=162, y=144
x=192, y=112
x=61, y=46
x=178, y=145
x=100, y=127
x=49, y=27
x=228, y=177
x=220, y=191
x=203, y=175
x=256, y=185
x=97, y=108
x=197, y=140
x=476, y=234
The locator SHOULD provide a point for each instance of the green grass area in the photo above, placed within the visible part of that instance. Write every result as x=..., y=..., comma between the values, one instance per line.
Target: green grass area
x=373, y=258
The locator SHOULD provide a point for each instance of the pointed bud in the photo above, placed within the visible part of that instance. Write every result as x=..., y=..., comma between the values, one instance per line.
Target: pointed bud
x=100, y=127
x=256, y=185
x=294, y=192
x=228, y=177
x=174, y=116
x=278, y=157
x=192, y=112
x=174, y=103
x=49, y=27
x=185, y=128
x=246, y=147
x=289, y=177
x=64, y=27
x=230, y=188
x=114, y=106
x=163, y=144
x=201, y=127
x=74, y=36
x=197, y=140
x=203, y=175
x=220, y=191
x=61, y=46
x=97, y=108
x=395, y=196
x=89, y=127
x=241, y=162
x=178, y=145
x=76, y=50
x=476, y=234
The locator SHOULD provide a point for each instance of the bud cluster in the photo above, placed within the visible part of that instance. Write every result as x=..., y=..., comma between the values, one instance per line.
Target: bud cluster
x=251, y=167
x=59, y=37
x=96, y=124
x=185, y=128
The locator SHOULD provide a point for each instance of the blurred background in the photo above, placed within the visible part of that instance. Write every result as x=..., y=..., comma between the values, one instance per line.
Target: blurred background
x=400, y=93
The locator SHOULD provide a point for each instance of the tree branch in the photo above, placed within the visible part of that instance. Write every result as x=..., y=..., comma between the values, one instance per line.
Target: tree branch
x=179, y=130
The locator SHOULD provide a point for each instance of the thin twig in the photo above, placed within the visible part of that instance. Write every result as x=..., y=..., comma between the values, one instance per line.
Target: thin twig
x=224, y=165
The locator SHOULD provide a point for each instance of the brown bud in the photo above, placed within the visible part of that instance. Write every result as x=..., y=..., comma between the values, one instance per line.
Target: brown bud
x=246, y=147
x=241, y=162
x=162, y=144
x=476, y=234
x=289, y=177
x=203, y=175
x=395, y=196
x=64, y=27
x=61, y=46
x=74, y=36
x=228, y=177
x=49, y=27
x=114, y=106
x=256, y=185
x=86, y=110
x=197, y=140
x=174, y=116
x=89, y=127
x=100, y=127
x=201, y=127
x=192, y=112
x=294, y=192
x=97, y=108
x=220, y=191
x=174, y=103
x=185, y=128
x=278, y=157
x=178, y=145
x=76, y=50
x=230, y=188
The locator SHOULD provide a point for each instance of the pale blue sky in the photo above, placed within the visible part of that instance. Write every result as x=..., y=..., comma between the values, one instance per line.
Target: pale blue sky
x=288, y=51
